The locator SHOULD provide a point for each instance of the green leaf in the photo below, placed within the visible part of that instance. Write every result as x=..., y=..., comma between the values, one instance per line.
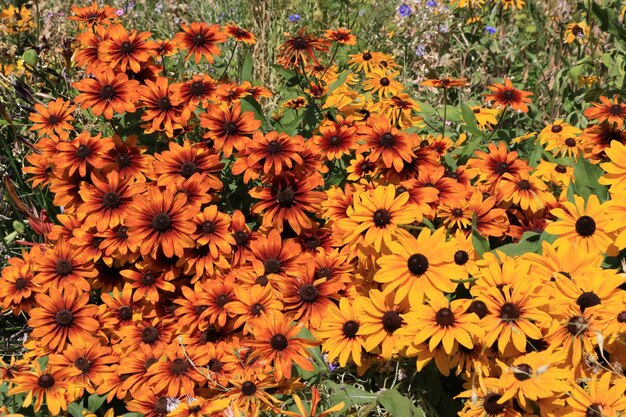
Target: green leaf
x=470, y=121
x=349, y=395
x=586, y=177
x=250, y=104
x=339, y=81
x=75, y=410
x=95, y=401
x=481, y=244
x=395, y=403
x=246, y=67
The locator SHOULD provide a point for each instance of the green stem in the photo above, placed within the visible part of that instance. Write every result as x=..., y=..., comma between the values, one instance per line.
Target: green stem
x=497, y=126
x=445, y=111
x=232, y=55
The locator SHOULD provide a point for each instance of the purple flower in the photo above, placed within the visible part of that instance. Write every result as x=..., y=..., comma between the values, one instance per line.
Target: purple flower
x=119, y=12
x=420, y=51
x=405, y=10
x=294, y=17
x=431, y=3
x=490, y=30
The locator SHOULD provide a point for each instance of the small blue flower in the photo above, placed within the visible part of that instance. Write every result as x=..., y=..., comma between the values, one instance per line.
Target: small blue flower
x=420, y=51
x=490, y=30
x=294, y=17
x=431, y=3
x=405, y=10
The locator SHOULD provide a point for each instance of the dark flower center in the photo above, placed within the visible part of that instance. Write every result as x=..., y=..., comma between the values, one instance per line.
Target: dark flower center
x=122, y=160
x=127, y=48
x=478, y=307
x=272, y=266
x=111, y=200
x=125, y=313
x=262, y=280
x=508, y=95
x=286, y=197
x=241, y=238
x=502, y=168
x=299, y=42
x=382, y=218
x=150, y=334
x=54, y=119
x=160, y=406
x=444, y=317
x=392, y=321
x=188, y=168
x=215, y=365
x=179, y=366
x=577, y=30
x=387, y=139
x=490, y=404
x=594, y=410
x=384, y=81
x=64, y=267
x=457, y=212
x=417, y=264
x=197, y=88
x=83, y=364
x=350, y=329
x=556, y=128
x=334, y=140
x=509, y=311
x=400, y=190
x=230, y=128
x=256, y=309
x=195, y=409
x=64, y=317
x=585, y=226
x=367, y=56
x=148, y=279
x=621, y=317
x=199, y=39
x=324, y=272
x=161, y=222
x=587, y=299
x=313, y=242
x=570, y=142
x=20, y=284
x=200, y=309
x=279, y=342
x=248, y=388
x=461, y=257
x=274, y=147
x=164, y=103
x=45, y=381
x=523, y=372
x=107, y=92
x=577, y=325
x=96, y=241
x=83, y=151
x=561, y=169
x=208, y=227
x=523, y=185
x=308, y=293
x=615, y=110
x=222, y=299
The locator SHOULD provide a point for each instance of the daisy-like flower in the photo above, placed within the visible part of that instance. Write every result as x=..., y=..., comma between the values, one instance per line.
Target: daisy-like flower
x=18, y=289
x=336, y=140
x=576, y=32
x=498, y=161
x=160, y=221
x=527, y=192
x=275, y=341
x=49, y=386
x=383, y=83
x=199, y=90
x=582, y=224
x=485, y=402
x=83, y=153
x=53, y=117
x=275, y=151
x=341, y=35
x=419, y=268
x=442, y=322
x=299, y=50
x=600, y=397
x=445, y=82
x=252, y=304
x=339, y=333
x=63, y=266
x=61, y=317
x=557, y=130
x=178, y=374
x=228, y=128
x=164, y=111
x=274, y=256
x=485, y=117
x=387, y=143
x=199, y=407
x=239, y=34
x=504, y=95
x=125, y=50
x=613, y=111
x=201, y=40
x=249, y=394
x=93, y=14
x=107, y=92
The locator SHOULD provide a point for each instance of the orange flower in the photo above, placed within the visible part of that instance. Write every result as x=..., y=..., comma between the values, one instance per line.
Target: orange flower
x=63, y=267
x=176, y=375
x=240, y=34
x=445, y=82
x=126, y=50
x=107, y=92
x=300, y=49
x=385, y=142
x=52, y=118
x=87, y=54
x=342, y=35
x=62, y=317
x=612, y=111
x=164, y=110
x=198, y=91
x=185, y=161
x=93, y=14
x=506, y=95
x=50, y=386
x=275, y=151
x=201, y=40
x=82, y=154
x=229, y=127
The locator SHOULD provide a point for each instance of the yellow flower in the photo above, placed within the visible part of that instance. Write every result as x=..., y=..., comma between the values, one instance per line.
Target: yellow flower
x=576, y=32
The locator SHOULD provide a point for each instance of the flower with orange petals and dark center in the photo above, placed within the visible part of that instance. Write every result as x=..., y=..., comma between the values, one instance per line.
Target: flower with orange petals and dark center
x=201, y=40
x=504, y=95
x=228, y=127
x=126, y=50
x=107, y=93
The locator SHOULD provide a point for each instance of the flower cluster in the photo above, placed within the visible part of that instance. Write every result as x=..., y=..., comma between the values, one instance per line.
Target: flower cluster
x=204, y=252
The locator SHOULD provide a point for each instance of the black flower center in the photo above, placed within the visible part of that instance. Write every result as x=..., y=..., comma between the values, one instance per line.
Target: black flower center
x=188, y=168
x=64, y=317
x=256, y=309
x=20, y=284
x=272, y=266
x=457, y=212
x=127, y=48
x=334, y=140
x=45, y=381
x=561, y=169
x=570, y=142
x=222, y=299
x=215, y=365
x=83, y=151
x=577, y=30
x=587, y=299
x=382, y=218
x=621, y=317
x=161, y=222
x=585, y=226
x=164, y=103
x=160, y=406
x=577, y=325
x=444, y=317
x=523, y=372
x=107, y=92
x=308, y=293
x=324, y=272
x=274, y=147
x=179, y=366
x=490, y=404
x=286, y=197
x=417, y=264
x=122, y=160
x=230, y=128
x=262, y=280
x=502, y=168
x=384, y=81
x=509, y=311
x=150, y=334
x=508, y=95
x=461, y=257
x=241, y=238
x=367, y=56
x=478, y=307
x=615, y=110
x=148, y=279
x=111, y=200
x=64, y=267
x=557, y=128
x=350, y=329
x=83, y=364
x=197, y=88
x=387, y=139
x=524, y=185
x=392, y=321
x=279, y=342
x=208, y=227
x=299, y=42
x=125, y=313
x=248, y=388
x=199, y=39
x=54, y=119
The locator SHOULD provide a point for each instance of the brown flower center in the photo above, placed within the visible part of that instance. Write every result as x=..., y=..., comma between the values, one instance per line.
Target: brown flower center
x=577, y=325
x=122, y=160
x=299, y=42
x=561, y=169
x=230, y=128
x=444, y=317
x=148, y=279
x=248, y=388
x=523, y=372
x=621, y=317
x=53, y=120
x=45, y=381
x=107, y=92
x=367, y=56
x=188, y=168
x=83, y=364
x=272, y=266
x=523, y=185
x=160, y=406
x=286, y=197
x=391, y=321
x=127, y=48
x=350, y=329
x=215, y=365
x=197, y=88
x=382, y=218
x=417, y=264
x=384, y=81
x=161, y=222
x=241, y=238
x=64, y=317
x=570, y=142
x=461, y=257
x=179, y=366
x=274, y=147
x=594, y=410
x=585, y=226
x=615, y=110
x=199, y=39
x=279, y=342
x=490, y=404
x=222, y=299
x=20, y=284
x=64, y=267
x=502, y=168
x=256, y=309
x=164, y=103
x=587, y=299
x=308, y=293
x=509, y=311
x=387, y=139
x=125, y=313
x=478, y=307
x=150, y=334
x=262, y=280
x=556, y=128
x=83, y=151
x=208, y=227
x=111, y=200
x=334, y=140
